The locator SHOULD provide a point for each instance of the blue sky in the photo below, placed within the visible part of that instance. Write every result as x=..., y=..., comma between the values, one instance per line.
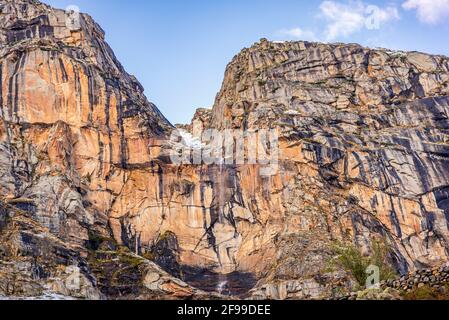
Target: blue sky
x=178, y=49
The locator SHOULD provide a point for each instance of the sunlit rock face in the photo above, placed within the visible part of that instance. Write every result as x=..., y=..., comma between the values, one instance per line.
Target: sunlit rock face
x=76, y=130
x=86, y=160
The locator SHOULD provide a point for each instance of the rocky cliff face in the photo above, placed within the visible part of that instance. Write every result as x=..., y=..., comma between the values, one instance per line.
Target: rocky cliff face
x=87, y=181
x=363, y=156
x=75, y=129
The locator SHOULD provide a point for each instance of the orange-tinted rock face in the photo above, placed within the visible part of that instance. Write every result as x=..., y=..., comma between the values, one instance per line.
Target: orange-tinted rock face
x=362, y=152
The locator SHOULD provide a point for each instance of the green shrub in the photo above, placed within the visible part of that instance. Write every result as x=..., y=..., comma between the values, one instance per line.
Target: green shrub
x=427, y=293
x=351, y=259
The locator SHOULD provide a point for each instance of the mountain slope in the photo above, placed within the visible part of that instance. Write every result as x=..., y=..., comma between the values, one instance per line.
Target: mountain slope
x=73, y=123
x=363, y=152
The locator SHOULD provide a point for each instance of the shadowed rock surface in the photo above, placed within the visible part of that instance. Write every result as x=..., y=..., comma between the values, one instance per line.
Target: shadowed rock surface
x=86, y=179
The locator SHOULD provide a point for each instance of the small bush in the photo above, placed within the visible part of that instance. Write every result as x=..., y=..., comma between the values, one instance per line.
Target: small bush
x=351, y=259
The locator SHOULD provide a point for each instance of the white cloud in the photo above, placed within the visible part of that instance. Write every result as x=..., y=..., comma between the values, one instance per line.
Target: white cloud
x=429, y=11
x=345, y=19
x=298, y=33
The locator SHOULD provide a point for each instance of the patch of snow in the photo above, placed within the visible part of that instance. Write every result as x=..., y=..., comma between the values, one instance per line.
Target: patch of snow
x=292, y=113
x=395, y=53
x=190, y=141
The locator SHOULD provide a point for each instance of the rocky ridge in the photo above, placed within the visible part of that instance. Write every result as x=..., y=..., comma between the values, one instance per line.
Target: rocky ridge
x=362, y=150
x=434, y=284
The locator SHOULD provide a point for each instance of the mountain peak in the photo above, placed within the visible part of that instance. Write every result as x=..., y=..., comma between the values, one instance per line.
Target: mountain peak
x=313, y=145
